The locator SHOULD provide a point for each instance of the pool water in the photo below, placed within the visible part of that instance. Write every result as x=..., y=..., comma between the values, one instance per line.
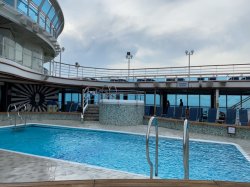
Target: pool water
x=126, y=152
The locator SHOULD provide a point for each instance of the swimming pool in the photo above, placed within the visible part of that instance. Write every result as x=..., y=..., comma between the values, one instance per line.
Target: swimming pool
x=126, y=152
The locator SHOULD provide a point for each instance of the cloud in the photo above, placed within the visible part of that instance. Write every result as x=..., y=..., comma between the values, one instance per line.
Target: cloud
x=99, y=33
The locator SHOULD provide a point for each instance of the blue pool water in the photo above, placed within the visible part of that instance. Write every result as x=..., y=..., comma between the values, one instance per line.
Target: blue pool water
x=126, y=152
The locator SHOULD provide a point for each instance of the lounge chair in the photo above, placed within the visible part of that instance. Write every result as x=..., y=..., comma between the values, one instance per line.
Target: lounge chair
x=231, y=116
x=178, y=113
x=170, y=113
x=147, y=110
x=211, y=117
x=243, y=117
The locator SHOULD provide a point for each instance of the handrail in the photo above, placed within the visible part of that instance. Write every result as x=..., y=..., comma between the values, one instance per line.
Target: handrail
x=240, y=102
x=85, y=102
x=152, y=119
x=186, y=149
x=8, y=112
x=92, y=73
x=18, y=112
x=110, y=87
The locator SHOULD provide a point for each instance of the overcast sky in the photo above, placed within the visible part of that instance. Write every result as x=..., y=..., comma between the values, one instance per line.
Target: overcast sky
x=98, y=33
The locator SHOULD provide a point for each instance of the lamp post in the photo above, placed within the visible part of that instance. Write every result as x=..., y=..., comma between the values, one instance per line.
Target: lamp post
x=129, y=56
x=77, y=66
x=61, y=50
x=189, y=53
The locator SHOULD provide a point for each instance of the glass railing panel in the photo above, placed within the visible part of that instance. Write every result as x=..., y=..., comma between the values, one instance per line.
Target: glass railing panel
x=42, y=21
x=37, y=2
x=22, y=6
x=33, y=13
x=48, y=26
x=9, y=2
x=51, y=13
x=19, y=53
x=9, y=49
x=27, y=57
x=37, y=62
x=46, y=7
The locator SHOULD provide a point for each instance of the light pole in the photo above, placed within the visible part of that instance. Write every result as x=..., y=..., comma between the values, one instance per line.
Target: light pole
x=77, y=66
x=61, y=50
x=189, y=53
x=129, y=56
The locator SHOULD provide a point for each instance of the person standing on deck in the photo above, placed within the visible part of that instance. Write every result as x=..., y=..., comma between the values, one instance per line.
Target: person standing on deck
x=181, y=103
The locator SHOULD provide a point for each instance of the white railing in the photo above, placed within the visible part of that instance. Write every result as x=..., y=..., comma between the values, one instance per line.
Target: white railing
x=85, y=102
x=152, y=120
x=89, y=73
x=13, y=51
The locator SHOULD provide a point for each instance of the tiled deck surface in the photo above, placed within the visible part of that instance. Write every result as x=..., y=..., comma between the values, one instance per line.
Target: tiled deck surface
x=23, y=168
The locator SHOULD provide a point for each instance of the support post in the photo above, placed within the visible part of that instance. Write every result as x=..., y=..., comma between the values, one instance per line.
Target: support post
x=217, y=92
x=155, y=103
x=186, y=149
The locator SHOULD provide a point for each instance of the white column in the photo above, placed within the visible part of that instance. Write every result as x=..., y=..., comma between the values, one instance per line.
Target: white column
x=217, y=94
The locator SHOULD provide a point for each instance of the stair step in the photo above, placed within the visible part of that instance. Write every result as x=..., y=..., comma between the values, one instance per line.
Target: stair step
x=91, y=119
x=92, y=113
x=88, y=115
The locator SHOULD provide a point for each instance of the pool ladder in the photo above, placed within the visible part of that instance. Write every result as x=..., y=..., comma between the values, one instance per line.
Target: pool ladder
x=185, y=148
x=17, y=111
x=151, y=121
x=8, y=113
x=24, y=107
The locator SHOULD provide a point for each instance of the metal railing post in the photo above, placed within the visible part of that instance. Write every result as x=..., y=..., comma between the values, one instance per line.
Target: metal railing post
x=152, y=119
x=186, y=149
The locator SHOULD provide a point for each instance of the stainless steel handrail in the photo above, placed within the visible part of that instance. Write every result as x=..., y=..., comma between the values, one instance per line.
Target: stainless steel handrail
x=161, y=72
x=85, y=102
x=186, y=149
x=152, y=120
x=8, y=112
x=18, y=112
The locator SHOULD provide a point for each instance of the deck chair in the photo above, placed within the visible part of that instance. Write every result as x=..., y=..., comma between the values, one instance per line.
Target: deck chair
x=243, y=117
x=170, y=113
x=178, y=113
x=199, y=115
x=183, y=112
x=69, y=106
x=211, y=117
x=193, y=113
x=147, y=110
x=74, y=107
x=158, y=111
x=231, y=116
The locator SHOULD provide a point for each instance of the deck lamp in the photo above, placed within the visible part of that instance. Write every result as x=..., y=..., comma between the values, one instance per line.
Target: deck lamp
x=189, y=53
x=77, y=65
x=129, y=56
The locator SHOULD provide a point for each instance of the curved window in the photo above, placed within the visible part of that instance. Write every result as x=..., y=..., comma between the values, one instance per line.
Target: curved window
x=29, y=56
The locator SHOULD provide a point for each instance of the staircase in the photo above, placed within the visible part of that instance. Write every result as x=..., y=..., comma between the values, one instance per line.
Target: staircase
x=92, y=113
